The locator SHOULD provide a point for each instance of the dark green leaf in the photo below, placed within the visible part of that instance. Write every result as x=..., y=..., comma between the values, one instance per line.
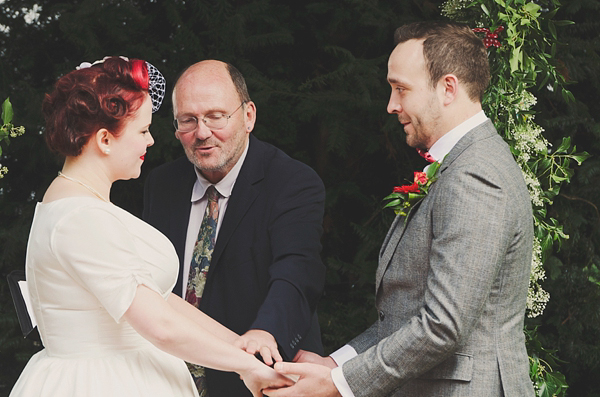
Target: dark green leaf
x=7, y=112
x=564, y=145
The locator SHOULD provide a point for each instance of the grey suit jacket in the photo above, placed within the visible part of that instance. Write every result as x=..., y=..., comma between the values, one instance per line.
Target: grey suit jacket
x=451, y=285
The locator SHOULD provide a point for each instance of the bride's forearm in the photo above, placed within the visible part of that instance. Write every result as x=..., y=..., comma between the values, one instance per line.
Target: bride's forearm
x=191, y=340
x=212, y=326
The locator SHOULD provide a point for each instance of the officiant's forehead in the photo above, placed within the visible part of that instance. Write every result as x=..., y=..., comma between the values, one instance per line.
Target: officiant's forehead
x=206, y=80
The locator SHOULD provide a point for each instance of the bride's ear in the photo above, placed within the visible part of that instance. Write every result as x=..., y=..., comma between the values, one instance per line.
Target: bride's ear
x=103, y=139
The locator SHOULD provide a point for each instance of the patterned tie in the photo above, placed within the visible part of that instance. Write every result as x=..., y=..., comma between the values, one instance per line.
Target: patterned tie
x=425, y=155
x=201, y=258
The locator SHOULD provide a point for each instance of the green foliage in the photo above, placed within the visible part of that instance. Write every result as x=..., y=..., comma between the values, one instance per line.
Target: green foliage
x=571, y=322
x=7, y=130
x=547, y=382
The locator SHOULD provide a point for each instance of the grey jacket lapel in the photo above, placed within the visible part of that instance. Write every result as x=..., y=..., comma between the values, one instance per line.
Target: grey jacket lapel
x=391, y=242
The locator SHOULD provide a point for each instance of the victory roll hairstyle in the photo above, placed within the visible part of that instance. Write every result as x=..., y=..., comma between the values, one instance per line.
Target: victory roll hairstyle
x=83, y=101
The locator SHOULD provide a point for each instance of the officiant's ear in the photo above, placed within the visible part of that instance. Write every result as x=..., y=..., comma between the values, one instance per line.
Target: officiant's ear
x=103, y=138
x=449, y=86
x=249, y=115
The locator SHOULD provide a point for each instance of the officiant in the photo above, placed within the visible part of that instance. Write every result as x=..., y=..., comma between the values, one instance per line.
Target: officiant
x=245, y=219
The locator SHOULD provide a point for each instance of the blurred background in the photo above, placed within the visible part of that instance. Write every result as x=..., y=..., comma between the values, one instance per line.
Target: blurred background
x=317, y=73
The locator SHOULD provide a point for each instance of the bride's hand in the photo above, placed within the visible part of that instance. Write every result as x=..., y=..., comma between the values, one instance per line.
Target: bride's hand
x=263, y=377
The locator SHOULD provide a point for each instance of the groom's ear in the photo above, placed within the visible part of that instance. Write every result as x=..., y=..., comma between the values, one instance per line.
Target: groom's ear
x=449, y=87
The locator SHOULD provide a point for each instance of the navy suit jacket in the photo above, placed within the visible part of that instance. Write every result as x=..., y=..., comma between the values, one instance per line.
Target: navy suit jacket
x=266, y=271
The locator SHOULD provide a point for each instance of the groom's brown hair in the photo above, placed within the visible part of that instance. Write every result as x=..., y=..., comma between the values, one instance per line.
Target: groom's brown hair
x=450, y=47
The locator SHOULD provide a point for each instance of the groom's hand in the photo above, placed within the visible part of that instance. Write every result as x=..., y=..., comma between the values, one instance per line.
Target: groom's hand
x=315, y=381
x=258, y=341
x=308, y=357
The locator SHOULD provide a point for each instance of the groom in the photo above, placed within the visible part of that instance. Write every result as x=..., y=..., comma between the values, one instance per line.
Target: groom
x=452, y=280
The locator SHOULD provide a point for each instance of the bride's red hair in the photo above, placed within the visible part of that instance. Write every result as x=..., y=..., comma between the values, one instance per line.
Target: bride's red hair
x=86, y=100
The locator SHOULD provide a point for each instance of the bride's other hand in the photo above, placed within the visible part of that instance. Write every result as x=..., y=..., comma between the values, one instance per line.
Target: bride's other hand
x=314, y=380
x=263, y=377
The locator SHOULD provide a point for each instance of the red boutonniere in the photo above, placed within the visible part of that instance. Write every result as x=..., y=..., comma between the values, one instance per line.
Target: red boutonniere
x=404, y=197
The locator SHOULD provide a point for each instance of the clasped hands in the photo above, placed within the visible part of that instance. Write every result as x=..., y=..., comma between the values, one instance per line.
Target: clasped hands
x=311, y=372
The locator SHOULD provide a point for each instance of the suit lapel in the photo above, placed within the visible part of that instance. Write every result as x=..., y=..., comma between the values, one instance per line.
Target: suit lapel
x=243, y=195
x=391, y=242
x=386, y=241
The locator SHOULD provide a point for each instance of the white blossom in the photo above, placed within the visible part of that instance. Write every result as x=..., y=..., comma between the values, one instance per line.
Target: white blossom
x=526, y=101
x=537, y=298
x=453, y=7
x=32, y=14
x=534, y=187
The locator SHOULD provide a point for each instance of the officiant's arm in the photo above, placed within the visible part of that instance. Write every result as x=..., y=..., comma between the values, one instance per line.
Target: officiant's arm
x=295, y=269
x=212, y=326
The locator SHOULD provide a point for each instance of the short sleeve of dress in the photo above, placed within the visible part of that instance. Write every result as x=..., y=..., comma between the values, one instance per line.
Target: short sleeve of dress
x=98, y=251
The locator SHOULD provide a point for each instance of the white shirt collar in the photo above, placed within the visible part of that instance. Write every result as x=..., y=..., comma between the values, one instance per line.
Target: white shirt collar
x=224, y=186
x=442, y=146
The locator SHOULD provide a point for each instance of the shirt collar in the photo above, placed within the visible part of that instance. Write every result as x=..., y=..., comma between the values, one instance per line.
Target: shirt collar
x=224, y=186
x=442, y=146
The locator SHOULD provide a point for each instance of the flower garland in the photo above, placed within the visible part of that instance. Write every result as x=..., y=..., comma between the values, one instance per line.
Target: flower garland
x=522, y=58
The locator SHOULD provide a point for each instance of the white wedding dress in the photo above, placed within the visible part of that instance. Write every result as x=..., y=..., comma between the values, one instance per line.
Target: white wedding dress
x=85, y=258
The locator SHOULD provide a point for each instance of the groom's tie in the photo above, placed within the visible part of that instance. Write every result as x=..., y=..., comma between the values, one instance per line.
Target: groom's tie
x=425, y=155
x=201, y=258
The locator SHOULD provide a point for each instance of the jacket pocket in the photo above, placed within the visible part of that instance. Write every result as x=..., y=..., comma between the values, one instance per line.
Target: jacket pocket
x=457, y=367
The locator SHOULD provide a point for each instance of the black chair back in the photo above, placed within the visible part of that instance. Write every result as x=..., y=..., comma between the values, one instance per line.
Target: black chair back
x=28, y=327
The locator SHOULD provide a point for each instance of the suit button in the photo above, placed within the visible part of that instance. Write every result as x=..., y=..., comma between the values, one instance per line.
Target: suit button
x=381, y=315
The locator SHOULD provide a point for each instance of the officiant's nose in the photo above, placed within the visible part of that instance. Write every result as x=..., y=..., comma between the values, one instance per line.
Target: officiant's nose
x=202, y=132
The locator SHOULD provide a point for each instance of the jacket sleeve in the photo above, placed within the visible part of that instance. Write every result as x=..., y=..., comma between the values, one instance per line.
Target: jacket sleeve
x=296, y=274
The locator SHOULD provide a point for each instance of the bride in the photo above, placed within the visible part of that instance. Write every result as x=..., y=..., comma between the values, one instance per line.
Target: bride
x=100, y=279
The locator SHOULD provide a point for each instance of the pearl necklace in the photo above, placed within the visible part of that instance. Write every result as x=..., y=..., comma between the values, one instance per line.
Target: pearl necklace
x=91, y=189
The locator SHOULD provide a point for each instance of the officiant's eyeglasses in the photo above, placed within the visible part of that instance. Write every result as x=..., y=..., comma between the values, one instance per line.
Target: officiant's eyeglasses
x=214, y=121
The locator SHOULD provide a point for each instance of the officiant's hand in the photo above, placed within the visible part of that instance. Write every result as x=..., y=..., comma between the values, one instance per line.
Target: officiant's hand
x=315, y=380
x=261, y=342
x=309, y=357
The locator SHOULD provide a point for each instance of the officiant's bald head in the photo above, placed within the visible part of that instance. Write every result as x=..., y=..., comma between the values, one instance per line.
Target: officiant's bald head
x=239, y=83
